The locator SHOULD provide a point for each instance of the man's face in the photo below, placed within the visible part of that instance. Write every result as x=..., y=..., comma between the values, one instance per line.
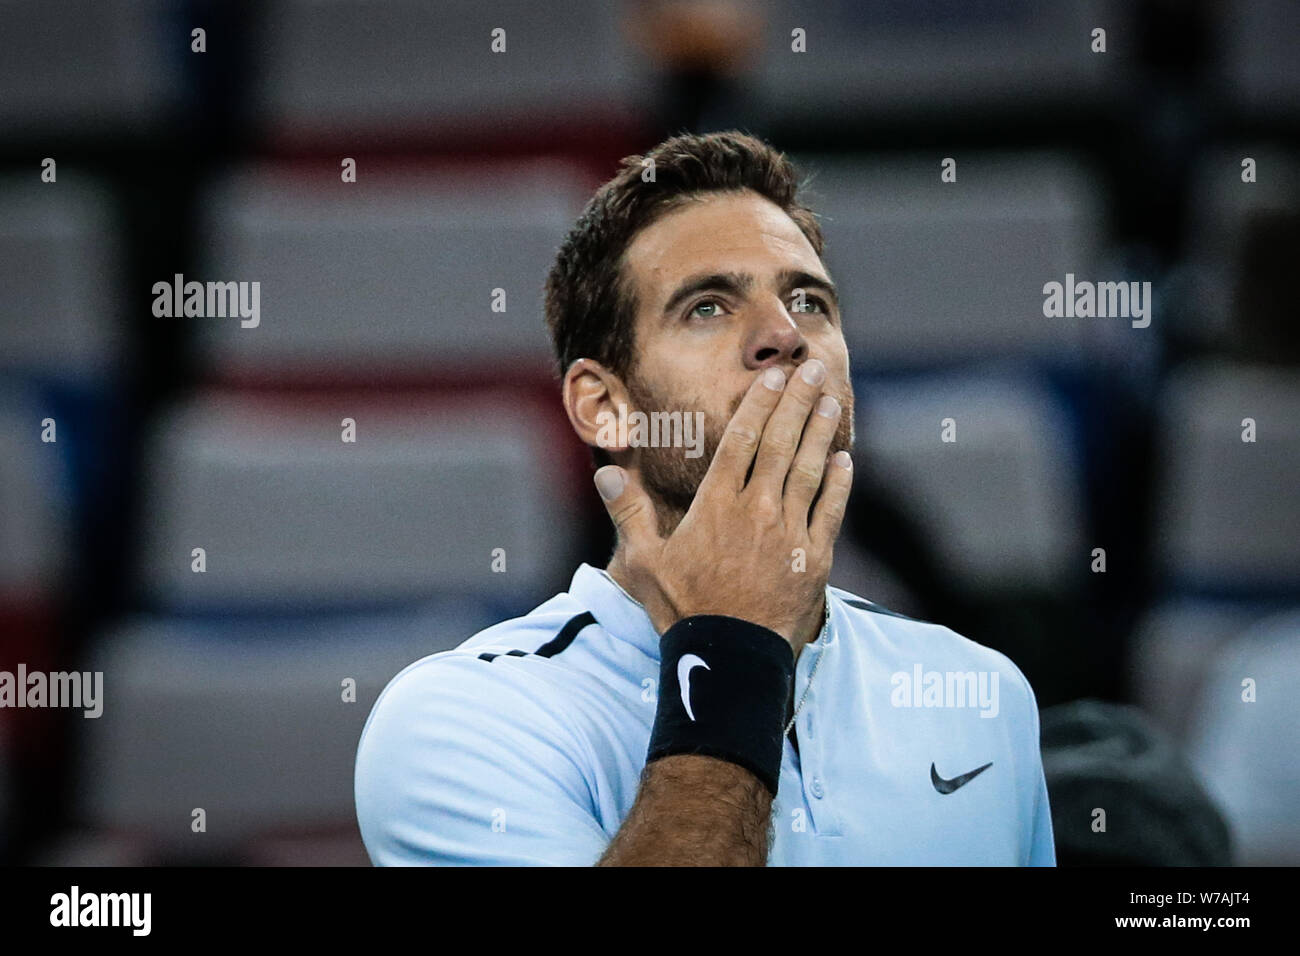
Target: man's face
x=718, y=285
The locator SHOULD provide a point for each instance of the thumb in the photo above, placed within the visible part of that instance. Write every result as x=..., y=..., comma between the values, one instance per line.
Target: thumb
x=628, y=505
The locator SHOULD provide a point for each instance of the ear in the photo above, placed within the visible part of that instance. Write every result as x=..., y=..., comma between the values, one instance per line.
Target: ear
x=594, y=397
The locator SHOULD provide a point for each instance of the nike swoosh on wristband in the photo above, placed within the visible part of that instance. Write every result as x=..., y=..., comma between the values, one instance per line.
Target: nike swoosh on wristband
x=956, y=783
x=684, y=665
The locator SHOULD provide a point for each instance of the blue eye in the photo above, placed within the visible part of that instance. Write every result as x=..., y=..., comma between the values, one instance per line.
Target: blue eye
x=794, y=305
x=707, y=303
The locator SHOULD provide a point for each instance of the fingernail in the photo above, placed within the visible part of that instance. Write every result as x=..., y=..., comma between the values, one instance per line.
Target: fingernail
x=774, y=379
x=843, y=460
x=813, y=371
x=610, y=482
x=828, y=407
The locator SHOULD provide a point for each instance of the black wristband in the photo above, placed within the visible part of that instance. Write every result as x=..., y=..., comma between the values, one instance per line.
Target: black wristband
x=737, y=676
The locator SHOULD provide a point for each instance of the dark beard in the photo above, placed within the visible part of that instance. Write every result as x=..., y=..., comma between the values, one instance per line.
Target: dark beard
x=671, y=479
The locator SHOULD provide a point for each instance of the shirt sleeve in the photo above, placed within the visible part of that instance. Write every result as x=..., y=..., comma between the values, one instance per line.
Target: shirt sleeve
x=470, y=762
x=1039, y=844
x=1042, y=847
x=1042, y=840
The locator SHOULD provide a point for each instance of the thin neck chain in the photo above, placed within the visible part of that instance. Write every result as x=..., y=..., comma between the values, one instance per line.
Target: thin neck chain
x=826, y=623
x=610, y=578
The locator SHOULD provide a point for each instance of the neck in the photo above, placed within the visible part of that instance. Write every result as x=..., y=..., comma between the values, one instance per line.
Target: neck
x=809, y=630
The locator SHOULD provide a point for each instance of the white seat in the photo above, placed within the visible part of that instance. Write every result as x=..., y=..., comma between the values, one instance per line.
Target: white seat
x=1001, y=504
x=866, y=59
x=351, y=66
x=246, y=721
x=1227, y=519
x=1248, y=753
x=932, y=272
x=291, y=516
x=392, y=273
x=60, y=276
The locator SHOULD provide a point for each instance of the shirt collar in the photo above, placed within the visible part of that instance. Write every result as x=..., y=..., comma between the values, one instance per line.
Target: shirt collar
x=614, y=609
x=623, y=616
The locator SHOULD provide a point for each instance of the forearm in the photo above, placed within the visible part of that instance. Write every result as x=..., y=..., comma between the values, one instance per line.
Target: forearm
x=694, y=811
x=713, y=763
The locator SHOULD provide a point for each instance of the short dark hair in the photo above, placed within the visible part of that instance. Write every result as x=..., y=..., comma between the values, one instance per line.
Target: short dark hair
x=590, y=305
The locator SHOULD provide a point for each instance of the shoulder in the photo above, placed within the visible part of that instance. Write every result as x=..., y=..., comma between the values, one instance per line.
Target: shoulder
x=545, y=632
x=462, y=737
x=465, y=673
x=494, y=701
x=515, y=680
x=936, y=647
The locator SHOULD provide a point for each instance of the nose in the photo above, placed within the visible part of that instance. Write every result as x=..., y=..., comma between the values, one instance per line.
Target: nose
x=774, y=338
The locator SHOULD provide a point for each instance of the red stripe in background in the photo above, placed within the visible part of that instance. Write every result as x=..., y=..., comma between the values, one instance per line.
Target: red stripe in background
x=593, y=144
x=27, y=636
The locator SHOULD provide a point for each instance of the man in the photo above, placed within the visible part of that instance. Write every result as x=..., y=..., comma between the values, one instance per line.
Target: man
x=707, y=698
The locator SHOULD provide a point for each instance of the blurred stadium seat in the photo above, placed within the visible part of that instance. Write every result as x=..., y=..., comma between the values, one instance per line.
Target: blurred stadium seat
x=390, y=275
x=332, y=67
x=325, y=560
x=1001, y=503
x=36, y=541
x=89, y=66
x=932, y=272
x=1248, y=751
x=1174, y=647
x=60, y=276
x=35, y=511
x=293, y=518
x=895, y=56
x=1259, y=52
x=1240, y=257
x=1226, y=538
x=1226, y=519
x=244, y=718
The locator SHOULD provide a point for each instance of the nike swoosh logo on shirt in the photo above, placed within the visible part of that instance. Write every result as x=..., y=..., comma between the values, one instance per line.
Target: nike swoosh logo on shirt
x=684, y=665
x=956, y=783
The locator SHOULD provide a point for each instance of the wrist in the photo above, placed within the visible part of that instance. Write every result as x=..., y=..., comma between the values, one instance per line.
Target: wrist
x=724, y=691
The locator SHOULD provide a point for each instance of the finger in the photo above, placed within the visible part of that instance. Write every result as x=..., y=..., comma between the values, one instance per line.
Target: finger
x=809, y=463
x=628, y=505
x=827, y=517
x=781, y=436
x=740, y=440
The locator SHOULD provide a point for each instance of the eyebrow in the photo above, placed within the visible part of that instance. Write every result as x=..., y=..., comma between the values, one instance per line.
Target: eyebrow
x=798, y=279
x=741, y=282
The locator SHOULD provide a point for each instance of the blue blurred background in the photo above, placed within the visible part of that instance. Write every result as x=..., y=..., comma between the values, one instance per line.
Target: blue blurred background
x=329, y=561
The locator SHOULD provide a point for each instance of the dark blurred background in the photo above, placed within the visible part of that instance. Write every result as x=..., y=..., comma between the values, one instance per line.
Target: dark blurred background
x=329, y=561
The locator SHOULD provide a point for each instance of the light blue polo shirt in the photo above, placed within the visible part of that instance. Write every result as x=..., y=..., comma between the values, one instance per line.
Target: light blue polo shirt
x=525, y=744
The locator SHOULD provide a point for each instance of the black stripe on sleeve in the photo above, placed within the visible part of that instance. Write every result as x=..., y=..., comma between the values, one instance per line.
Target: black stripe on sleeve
x=556, y=644
x=566, y=635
